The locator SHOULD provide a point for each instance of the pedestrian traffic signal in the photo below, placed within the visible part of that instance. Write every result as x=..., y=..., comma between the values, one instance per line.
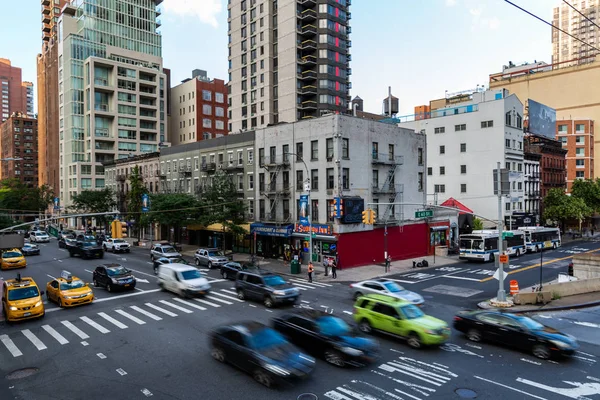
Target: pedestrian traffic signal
x=365, y=217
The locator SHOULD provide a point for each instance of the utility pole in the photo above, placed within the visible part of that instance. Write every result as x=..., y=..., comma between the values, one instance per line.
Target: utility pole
x=501, y=293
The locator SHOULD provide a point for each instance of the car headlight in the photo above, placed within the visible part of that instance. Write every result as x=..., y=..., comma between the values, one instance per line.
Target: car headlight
x=279, y=293
x=69, y=297
x=114, y=280
x=39, y=303
x=560, y=345
x=276, y=369
x=351, y=351
x=13, y=308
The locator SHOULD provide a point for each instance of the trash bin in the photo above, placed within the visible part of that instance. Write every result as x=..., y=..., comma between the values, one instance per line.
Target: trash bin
x=295, y=267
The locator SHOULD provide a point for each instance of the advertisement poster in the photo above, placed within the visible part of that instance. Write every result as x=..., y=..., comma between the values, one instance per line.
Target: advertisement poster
x=304, y=209
x=145, y=202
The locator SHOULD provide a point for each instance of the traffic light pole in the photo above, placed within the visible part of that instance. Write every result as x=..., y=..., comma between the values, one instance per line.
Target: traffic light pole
x=501, y=292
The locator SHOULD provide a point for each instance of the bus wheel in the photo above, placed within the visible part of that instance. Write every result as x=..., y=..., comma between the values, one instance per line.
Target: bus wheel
x=537, y=249
x=492, y=257
x=518, y=252
x=554, y=245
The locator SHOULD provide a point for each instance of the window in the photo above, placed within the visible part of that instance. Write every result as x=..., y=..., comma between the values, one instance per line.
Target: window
x=345, y=149
x=420, y=156
x=580, y=151
x=314, y=150
x=580, y=163
x=463, y=147
x=206, y=95
x=562, y=129
x=463, y=188
x=206, y=122
x=314, y=179
x=580, y=139
x=439, y=188
x=329, y=149
x=442, y=170
x=579, y=128
x=346, y=178
x=420, y=182
x=207, y=109
x=463, y=169
x=219, y=97
x=429, y=171
x=330, y=178
x=460, y=127
x=314, y=210
x=299, y=179
x=579, y=174
x=440, y=129
x=519, y=121
x=250, y=156
x=487, y=124
x=442, y=149
x=507, y=143
x=250, y=182
x=299, y=151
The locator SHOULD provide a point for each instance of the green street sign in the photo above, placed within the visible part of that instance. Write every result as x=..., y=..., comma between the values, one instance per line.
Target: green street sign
x=507, y=235
x=424, y=214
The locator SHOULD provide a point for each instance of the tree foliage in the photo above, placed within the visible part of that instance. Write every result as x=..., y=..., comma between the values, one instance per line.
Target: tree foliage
x=477, y=224
x=134, y=199
x=589, y=191
x=222, y=204
x=95, y=201
x=15, y=195
x=163, y=205
x=560, y=207
x=6, y=221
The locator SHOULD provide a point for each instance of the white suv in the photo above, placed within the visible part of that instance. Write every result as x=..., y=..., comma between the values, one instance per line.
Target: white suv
x=163, y=250
x=116, y=245
x=39, y=237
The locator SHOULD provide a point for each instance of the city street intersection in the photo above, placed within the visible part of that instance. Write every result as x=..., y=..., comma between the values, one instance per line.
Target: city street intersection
x=150, y=343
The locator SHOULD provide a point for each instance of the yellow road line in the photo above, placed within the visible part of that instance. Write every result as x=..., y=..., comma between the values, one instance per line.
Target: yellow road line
x=537, y=265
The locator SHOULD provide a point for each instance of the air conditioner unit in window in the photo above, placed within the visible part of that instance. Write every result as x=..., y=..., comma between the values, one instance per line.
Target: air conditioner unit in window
x=220, y=166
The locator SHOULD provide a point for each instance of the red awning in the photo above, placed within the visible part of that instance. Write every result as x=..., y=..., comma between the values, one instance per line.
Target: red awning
x=452, y=202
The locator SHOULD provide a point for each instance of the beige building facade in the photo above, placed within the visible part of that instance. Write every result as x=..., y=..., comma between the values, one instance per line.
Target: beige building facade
x=567, y=50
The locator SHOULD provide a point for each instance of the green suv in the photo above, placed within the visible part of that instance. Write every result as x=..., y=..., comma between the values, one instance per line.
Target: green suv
x=399, y=318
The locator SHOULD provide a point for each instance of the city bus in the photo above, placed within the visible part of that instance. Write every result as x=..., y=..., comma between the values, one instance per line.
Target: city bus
x=482, y=245
x=540, y=238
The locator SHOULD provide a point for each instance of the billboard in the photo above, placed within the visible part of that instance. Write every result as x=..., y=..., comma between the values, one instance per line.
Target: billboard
x=304, y=209
x=542, y=119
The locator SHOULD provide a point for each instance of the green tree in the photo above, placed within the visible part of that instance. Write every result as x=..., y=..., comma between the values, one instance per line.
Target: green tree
x=165, y=206
x=477, y=224
x=16, y=196
x=560, y=207
x=589, y=191
x=95, y=201
x=221, y=204
x=134, y=201
x=6, y=221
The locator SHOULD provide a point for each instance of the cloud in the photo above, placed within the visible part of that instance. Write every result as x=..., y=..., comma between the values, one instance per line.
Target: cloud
x=493, y=23
x=475, y=12
x=205, y=10
x=450, y=3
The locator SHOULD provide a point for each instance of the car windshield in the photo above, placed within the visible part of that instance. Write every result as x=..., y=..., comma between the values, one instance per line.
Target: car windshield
x=412, y=312
x=112, y=271
x=234, y=265
x=118, y=241
x=11, y=254
x=393, y=287
x=273, y=280
x=23, y=293
x=74, y=284
x=333, y=326
x=216, y=253
x=88, y=244
x=40, y=234
x=191, y=274
x=266, y=338
x=530, y=324
x=169, y=250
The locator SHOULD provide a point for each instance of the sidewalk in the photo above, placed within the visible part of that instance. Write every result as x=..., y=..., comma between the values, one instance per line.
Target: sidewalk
x=565, y=303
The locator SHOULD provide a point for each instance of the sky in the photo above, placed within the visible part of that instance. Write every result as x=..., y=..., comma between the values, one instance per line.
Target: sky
x=420, y=48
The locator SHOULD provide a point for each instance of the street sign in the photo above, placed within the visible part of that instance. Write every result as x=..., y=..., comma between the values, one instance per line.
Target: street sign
x=503, y=258
x=424, y=214
x=497, y=275
x=507, y=235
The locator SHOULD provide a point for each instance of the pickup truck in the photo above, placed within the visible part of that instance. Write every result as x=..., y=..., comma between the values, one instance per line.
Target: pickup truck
x=116, y=245
x=84, y=249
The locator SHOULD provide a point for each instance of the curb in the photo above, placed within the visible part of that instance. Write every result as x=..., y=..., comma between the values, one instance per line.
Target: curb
x=554, y=308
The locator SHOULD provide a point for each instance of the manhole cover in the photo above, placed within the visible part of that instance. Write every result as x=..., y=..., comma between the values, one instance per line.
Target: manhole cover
x=466, y=393
x=22, y=373
x=308, y=396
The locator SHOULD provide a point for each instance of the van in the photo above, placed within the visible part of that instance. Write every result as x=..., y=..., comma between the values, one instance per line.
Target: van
x=182, y=279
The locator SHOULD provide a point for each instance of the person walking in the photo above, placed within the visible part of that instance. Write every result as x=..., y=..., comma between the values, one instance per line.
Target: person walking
x=310, y=271
x=333, y=269
x=326, y=263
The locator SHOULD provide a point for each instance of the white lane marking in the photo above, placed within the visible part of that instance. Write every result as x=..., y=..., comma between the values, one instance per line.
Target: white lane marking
x=531, y=361
x=214, y=298
x=141, y=280
x=146, y=392
x=143, y=273
x=94, y=324
x=75, y=330
x=441, y=365
x=126, y=295
x=175, y=306
x=227, y=297
x=313, y=283
x=577, y=391
x=87, y=270
x=416, y=387
x=333, y=395
x=252, y=305
x=148, y=262
x=213, y=280
x=121, y=371
x=588, y=324
x=406, y=394
x=388, y=395
x=50, y=276
x=464, y=278
x=112, y=320
x=308, y=284
x=418, y=373
x=101, y=356
x=34, y=339
x=544, y=316
x=229, y=291
x=354, y=394
x=304, y=301
x=207, y=302
x=146, y=313
x=473, y=346
x=131, y=317
x=84, y=343
x=60, y=338
x=162, y=310
x=138, y=289
x=585, y=359
x=189, y=304
x=347, y=312
x=10, y=345
x=510, y=387
x=586, y=354
x=267, y=310
x=301, y=287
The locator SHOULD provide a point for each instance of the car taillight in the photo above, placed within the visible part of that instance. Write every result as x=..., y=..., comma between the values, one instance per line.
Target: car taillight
x=457, y=318
x=352, y=285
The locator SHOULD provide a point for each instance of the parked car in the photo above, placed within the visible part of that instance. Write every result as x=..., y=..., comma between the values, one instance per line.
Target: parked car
x=328, y=336
x=84, y=249
x=163, y=250
x=39, y=237
x=387, y=287
x=182, y=279
x=399, y=318
x=210, y=258
x=113, y=277
x=29, y=249
x=164, y=260
x=265, y=286
x=516, y=331
x=260, y=351
x=230, y=269
x=116, y=245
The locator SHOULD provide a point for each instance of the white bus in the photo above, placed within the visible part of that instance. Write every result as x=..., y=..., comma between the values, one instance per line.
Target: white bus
x=483, y=245
x=540, y=238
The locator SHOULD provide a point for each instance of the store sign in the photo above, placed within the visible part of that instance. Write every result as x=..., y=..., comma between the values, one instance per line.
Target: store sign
x=329, y=249
x=271, y=230
x=317, y=229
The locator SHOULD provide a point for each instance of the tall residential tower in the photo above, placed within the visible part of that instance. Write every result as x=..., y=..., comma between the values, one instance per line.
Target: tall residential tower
x=17, y=96
x=565, y=47
x=288, y=60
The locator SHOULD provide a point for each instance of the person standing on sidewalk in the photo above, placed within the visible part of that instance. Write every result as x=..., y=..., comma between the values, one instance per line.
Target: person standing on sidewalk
x=333, y=269
x=310, y=271
x=326, y=265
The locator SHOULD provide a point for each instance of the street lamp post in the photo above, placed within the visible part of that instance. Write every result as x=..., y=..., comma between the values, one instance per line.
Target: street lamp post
x=307, y=190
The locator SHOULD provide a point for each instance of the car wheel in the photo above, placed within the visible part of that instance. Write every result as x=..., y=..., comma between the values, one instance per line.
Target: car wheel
x=334, y=357
x=95, y=283
x=197, y=262
x=241, y=295
x=128, y=250
x=414, y=340
x=113, y=250
x=268, y=302
x=541, y=351
x=224, y=275
x=109, y=288
x=537, y=249
x=263, y=378
x=474, y=335
x=155, y=270
x=209, y=265
x=365, y=326
x=104, y=247
x=59, y=302
x=218, y=354
x=357, y=295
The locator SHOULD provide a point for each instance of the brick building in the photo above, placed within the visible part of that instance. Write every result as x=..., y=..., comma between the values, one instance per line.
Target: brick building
x=18, y=140
x=577, y=137
x=17, y=96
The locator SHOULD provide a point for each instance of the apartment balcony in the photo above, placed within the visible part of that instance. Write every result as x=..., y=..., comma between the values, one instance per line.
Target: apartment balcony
x=307, y=30
x=275, y=188
x=45, y=36
x=209, y=167
x=185, y=170
x=307, y=45
x=387, y=188
x=103, y=107
x=273, y=162
x=308, y=75
x=45, y=18
x=102, y=133
x=105, y=146
x=45, y=2
x=308, y=105
x=307, y=60
x=308, y=90
x=234, y=166
x=348, y=30
x=121, y=178
x=101, y=81
x=386, y=159
x=160, y=174
x=307, y=15
x=532, y=194
x=307, y=3
x=158, y=22
x=46, y=27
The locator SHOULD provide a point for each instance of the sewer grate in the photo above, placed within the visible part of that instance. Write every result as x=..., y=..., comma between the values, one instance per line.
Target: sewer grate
x=466, y=393
x=308, y=396
x=22, y=373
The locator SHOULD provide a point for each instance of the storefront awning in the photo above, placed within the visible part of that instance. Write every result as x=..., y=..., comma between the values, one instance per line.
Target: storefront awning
x=439, y=228
x=452, y=202
x=271, y=229
x=217, y=227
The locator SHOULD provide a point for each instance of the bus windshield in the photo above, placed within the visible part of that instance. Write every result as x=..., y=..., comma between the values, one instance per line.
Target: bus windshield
x=465, y=244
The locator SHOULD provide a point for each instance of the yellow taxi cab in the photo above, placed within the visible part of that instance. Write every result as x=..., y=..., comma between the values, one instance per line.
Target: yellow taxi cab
x=69, y=290
x=21, y=299
x=12, y=258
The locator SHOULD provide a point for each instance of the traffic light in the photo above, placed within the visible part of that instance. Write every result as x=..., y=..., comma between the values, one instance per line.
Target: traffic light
x=116, y=229
x=373, y=217
x=365, y=215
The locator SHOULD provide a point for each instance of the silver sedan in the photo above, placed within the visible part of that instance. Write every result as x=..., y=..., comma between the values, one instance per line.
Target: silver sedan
x=385, y=287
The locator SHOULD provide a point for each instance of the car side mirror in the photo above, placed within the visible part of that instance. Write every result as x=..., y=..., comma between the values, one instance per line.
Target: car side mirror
x=42, y=293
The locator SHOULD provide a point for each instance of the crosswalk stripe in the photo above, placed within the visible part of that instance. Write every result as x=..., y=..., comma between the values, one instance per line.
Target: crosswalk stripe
x=162, y=310
x=95, y=325
x=229, y=291
x=175, y=306
x=10, y=345
x=60, y=338
x=131, y=317
x=319, y=284
x=211, y=297
x=302, y=287
x=207, y=302
x=75, y=330
x=228, y=297
x=146, y=313
x=189, y=304
x=34, y=339
x=112, y=320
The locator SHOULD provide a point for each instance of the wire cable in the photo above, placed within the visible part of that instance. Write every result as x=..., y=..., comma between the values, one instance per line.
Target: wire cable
x=580, y=13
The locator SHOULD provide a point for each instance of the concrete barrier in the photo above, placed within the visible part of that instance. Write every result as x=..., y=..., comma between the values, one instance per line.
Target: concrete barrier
x=586, y=266
x=532, y=297
x=575, y=287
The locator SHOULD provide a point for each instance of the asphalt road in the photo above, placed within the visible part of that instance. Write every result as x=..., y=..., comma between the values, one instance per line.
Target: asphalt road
x=149, y=343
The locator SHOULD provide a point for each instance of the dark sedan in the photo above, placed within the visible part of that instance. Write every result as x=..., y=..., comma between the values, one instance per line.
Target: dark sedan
x=229, y=270
x=64, y=240
x=113, y=277
x=260, y=351
x=328, y=336
x=29, y=249
x=164, y=260
x=515, y=330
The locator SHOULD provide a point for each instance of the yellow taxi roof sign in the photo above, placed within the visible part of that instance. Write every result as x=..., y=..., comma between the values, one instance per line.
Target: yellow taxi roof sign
x=66, y=275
